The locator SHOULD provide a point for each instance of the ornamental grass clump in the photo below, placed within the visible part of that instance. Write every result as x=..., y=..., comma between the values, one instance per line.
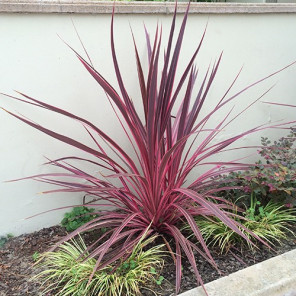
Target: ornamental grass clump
x=169, y=141
x=271, y=223
x=67, y=270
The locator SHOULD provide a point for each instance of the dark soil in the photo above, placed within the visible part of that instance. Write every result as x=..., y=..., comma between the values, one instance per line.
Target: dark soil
x=16, y=263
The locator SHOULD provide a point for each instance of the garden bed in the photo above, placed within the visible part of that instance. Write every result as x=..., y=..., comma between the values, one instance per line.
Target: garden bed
x=16, y=260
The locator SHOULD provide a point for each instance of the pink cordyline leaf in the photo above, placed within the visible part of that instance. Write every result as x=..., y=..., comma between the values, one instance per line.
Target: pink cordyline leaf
x=150, y=193
x=279, y=104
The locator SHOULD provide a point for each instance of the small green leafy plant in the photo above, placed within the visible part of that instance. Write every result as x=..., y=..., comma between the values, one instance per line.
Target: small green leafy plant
x=158, y=280
x=4, y=239
x=256, y=211
x=78, y=217
x=67, y=271
x=36, y=256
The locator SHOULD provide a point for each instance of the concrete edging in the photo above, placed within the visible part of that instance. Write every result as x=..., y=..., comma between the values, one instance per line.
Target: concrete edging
x=103, y=7
x=273, y=277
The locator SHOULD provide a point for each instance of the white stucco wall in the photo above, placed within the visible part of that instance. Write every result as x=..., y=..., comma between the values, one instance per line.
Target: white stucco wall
x=35, y=61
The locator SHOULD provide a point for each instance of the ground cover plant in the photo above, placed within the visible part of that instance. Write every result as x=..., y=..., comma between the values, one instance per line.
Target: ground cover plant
x=4, y=239
x=65, y=272
x=271, y=223
x=154, y=193
x=77, y=217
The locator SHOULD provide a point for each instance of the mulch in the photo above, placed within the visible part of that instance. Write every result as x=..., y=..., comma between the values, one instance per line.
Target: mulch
x=16, y=263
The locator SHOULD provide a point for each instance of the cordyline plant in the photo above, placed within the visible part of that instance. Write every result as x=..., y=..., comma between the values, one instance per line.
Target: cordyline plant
x=168, y=145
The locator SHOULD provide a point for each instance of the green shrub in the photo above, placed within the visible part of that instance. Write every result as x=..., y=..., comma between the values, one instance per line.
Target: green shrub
x=278, y=179
x=67, y=271
x=77, y=217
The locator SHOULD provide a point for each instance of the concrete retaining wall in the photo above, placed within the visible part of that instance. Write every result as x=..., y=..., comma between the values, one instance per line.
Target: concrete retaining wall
x=273, y=277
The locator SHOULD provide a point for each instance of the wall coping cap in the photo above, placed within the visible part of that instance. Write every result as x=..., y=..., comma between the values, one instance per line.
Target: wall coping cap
x=105, y=7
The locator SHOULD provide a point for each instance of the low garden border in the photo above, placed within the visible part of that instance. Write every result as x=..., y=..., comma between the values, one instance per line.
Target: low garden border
x=273, y=277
